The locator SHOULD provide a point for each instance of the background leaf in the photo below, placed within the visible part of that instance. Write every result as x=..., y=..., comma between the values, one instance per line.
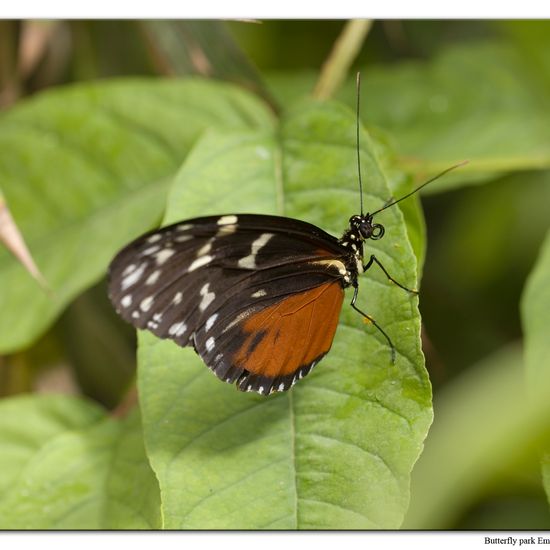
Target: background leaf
x=101, y=350
x=483, y=242
x=203, y=47
x=483, y=101
x=535, y=308
x=545, y=464
x=336, y=451
x=66, y=465
x=472, y=442
x=477, y=101
x=78, y=162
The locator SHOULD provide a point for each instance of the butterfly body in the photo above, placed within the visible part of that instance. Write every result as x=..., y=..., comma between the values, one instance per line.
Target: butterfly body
x=258, y=297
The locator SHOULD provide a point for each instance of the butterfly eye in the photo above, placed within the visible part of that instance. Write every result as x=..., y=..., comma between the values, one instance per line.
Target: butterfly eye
x=377, y=231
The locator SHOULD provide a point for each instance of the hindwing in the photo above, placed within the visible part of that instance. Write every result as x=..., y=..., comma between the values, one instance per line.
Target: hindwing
x=258, y=297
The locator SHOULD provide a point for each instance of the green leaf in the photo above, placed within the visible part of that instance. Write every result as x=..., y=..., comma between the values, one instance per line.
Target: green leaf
x=482, y=101
x=85, y=169
x=477, y=101
x=508, y=218
x=535, y=310
x=533, y=40
x=484, y=423
x=336, y=451
x=65, y=465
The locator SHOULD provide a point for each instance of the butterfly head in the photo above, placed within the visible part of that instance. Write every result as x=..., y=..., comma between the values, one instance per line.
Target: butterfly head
x=363, y=226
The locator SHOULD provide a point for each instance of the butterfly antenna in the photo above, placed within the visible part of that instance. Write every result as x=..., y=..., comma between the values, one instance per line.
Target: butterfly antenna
x=358, y=155
x=421, y=186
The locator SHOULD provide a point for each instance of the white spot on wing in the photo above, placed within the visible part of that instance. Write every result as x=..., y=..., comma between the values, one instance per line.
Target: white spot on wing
x=177, y=298
x=154, y=238
x=259, y=293
x=227, y=220
x=204, y=249
x=152, y=279
x=207, y=297
x=210, y=343
x=126, y=300
x=177, y=329
x=129, y=269
x=146, y=303
x=183, y=238
x=226, y=230
x=184, y=226
x=163, y=255
x=249, y=262
x=282, y=386
x=150, y=250
x=211, y=320
x=261, y=241
x=133, y=278
x=199, y=262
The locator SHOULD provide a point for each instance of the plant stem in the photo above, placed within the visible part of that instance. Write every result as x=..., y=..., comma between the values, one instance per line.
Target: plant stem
x=341, y=57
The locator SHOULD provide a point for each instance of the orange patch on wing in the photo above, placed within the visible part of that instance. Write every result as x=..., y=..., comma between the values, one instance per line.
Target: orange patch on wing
x=291, y=333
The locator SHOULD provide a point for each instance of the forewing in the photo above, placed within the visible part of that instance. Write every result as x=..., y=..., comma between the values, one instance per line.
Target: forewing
x=211, y=277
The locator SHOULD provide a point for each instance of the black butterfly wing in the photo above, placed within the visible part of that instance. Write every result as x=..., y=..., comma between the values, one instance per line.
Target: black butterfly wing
x=244, y=290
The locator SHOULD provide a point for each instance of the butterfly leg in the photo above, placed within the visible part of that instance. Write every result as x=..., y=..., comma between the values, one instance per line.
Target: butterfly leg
x=369, y=319
x=374, y=259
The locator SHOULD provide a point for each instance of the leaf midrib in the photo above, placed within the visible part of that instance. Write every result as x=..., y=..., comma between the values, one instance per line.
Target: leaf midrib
x=280, y=206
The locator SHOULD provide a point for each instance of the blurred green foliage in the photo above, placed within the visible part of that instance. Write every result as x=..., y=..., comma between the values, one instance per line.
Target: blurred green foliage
x=434, y=92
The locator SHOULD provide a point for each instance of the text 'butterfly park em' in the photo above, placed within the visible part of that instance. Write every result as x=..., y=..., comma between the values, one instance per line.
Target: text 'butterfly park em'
x=258, y=297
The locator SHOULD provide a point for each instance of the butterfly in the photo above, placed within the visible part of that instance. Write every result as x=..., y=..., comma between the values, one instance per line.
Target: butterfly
x=258, y=297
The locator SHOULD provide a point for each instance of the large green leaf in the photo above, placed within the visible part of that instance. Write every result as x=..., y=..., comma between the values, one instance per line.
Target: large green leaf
x=477, y=101
x=535, y=309
x=337, y=450
x=482, y=101
x=85, y=169
x=66, y=465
